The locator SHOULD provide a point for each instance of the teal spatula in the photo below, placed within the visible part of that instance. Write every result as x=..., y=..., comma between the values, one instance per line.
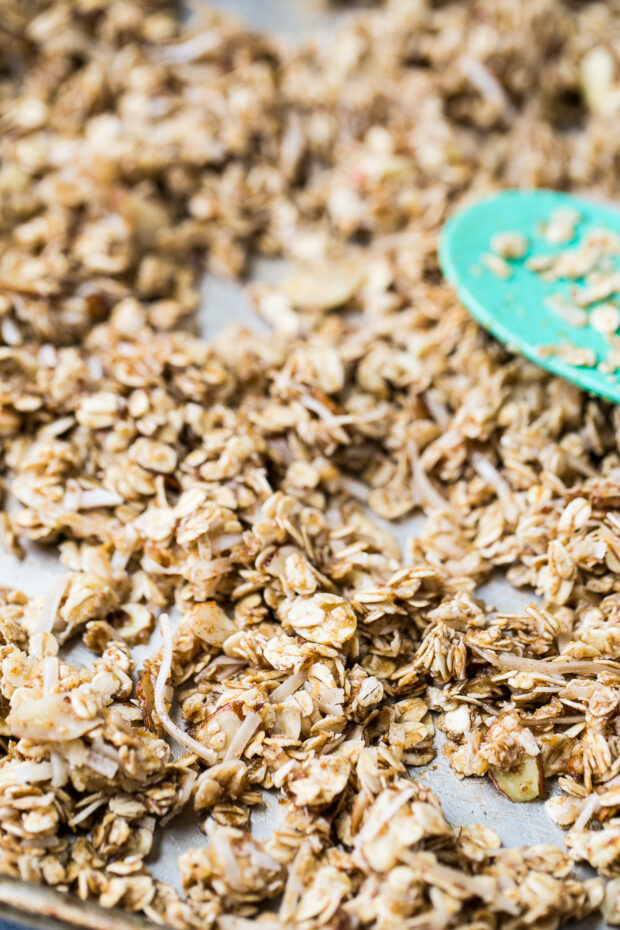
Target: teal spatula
x=540, y=303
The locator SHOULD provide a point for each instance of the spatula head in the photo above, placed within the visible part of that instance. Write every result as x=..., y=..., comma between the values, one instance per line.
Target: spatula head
x=517, y=309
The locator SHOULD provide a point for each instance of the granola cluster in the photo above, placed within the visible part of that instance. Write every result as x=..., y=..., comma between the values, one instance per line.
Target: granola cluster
x=245, y=482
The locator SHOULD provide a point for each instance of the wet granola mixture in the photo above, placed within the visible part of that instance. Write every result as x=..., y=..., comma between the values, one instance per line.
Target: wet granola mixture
x=233, y=483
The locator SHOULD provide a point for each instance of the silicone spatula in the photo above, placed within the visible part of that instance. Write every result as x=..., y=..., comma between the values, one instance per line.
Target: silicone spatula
x=517, y=307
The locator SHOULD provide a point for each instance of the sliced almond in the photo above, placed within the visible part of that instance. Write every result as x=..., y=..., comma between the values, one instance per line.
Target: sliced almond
x=524, y=783
x=325, y=288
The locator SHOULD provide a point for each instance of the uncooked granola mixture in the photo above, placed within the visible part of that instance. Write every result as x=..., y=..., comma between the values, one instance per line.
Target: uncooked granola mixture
x=236, y=480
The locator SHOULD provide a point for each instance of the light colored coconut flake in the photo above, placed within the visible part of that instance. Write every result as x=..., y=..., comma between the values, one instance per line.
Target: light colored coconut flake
x=168, y=724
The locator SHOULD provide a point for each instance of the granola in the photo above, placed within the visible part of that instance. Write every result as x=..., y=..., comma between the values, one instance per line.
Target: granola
x=237, y=481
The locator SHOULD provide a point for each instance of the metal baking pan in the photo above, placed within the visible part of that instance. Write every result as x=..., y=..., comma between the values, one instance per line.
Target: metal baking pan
x=473, y=800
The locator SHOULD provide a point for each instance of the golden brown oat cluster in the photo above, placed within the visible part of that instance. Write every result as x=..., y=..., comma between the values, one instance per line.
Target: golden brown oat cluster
x=236, y=479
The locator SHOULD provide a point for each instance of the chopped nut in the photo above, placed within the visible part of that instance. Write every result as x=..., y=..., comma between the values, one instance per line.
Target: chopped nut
x=524, y=783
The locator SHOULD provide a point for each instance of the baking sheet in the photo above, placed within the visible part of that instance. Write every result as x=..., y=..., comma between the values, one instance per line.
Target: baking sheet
x=473, y=800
